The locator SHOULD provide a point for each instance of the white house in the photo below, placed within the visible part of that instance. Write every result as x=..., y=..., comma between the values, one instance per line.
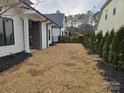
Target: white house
x=60, y=28
x=22, y=28
x=112, y=16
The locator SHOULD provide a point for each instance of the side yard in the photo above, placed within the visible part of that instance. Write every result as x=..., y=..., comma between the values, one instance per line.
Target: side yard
x=64, y=68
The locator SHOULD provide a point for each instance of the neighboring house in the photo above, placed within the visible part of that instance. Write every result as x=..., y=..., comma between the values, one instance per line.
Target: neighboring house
x=60, y=29
x=23, y=28
x=112, y=16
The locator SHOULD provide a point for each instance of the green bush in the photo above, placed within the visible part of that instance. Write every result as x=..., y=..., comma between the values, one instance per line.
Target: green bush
x=87, y=39
x=70, y=39
x=116, y=56
x=98, y=38
x=106, y=46
x=102, y=41
x=93, y=42
x=80, y=38
x=64, y=39
x=110, y=46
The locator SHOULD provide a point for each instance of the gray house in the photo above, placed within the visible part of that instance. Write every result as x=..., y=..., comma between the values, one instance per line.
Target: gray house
x=60, y=28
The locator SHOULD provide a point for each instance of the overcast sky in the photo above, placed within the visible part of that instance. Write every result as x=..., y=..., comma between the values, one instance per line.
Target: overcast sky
x=69, y=6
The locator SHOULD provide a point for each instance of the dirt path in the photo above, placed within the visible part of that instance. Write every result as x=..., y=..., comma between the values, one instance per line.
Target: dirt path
x=65, y=68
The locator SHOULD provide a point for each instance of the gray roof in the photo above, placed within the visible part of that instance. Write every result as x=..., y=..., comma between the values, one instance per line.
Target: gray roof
x=57, y=18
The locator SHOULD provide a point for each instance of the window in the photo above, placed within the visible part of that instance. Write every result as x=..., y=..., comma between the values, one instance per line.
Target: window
x=6, y=32
x=2, y=41
x=9, y=32
x=106, y=16
x=49, y=35
x=114, y=11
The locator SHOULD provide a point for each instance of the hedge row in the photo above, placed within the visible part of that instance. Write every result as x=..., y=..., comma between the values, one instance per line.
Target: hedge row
x=70, y=39
x=110, y=46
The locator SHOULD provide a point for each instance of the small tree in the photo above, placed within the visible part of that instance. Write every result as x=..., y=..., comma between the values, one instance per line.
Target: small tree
x=117, y=50
x=101, y=44
x=98, y=38
x=93, y=44
x=106, y=46
x=91, y=39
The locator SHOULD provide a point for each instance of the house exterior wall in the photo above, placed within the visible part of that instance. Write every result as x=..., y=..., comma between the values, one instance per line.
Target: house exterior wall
x=26, y=34
x=56, y=33
x=63, y=29
x=18, y=37
x=44, y=35
x=21, y=31
x=49, y=40
x=113, y=21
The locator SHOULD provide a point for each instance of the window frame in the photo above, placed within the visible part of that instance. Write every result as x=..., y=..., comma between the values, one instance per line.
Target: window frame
x=4, y=32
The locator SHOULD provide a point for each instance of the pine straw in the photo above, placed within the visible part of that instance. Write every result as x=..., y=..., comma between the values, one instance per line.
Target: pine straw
x=65, y=68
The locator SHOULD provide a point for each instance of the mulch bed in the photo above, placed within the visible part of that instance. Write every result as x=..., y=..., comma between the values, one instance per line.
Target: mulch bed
x=112, y=75
x=12, y=60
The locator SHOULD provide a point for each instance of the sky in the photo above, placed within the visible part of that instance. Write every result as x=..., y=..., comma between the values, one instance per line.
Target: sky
x=69, y=7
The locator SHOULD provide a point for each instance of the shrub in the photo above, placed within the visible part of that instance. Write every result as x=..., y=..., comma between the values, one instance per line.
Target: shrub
x=64, y=39
x=98, y=38
x=74, y=39
x=80, y=39
x=106, y=46
x=102, y=41
x=93, y=42
x=86, y=40
x=70, y=39
x=116, y=56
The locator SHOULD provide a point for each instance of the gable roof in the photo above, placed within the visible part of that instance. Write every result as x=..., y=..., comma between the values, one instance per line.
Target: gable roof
x=57, y=18
x=25, y=3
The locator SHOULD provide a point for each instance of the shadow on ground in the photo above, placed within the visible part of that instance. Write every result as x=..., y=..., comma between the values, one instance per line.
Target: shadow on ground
x=12, y=60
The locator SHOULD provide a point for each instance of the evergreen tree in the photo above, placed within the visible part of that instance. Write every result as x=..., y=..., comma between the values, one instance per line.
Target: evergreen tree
x=117, y=50
x=107, y=44
x=92, y=40
x=98, y=38
x=101, y=44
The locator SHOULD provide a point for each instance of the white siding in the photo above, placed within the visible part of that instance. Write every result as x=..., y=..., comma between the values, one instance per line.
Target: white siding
x=56, y=32
x=44, y=38
x=18, y=36
x=113, y=21
x=50, y=28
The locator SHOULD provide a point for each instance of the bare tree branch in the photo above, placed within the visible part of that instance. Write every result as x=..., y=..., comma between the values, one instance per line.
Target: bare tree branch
x=39, y=1
x=9, y=7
